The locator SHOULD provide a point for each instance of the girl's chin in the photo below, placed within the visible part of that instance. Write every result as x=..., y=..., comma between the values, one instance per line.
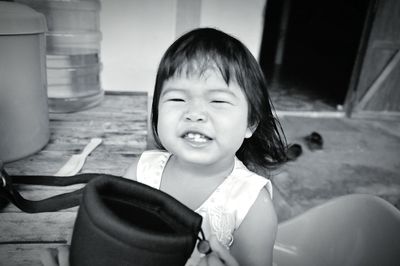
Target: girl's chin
x=197, y=157
x=205, y=158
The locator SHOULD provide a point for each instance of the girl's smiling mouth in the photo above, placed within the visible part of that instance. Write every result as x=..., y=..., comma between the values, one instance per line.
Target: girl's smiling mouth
x=196, y=138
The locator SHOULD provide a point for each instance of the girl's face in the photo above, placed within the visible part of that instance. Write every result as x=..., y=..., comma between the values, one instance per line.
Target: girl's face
x=202, y=120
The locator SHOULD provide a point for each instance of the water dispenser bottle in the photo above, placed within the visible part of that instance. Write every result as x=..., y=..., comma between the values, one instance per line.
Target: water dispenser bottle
x=73, y=52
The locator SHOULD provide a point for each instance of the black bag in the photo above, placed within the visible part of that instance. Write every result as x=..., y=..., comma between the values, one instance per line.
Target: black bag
x=119, y=221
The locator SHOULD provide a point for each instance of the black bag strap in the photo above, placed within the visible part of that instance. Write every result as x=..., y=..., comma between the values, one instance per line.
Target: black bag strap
x=8, y=192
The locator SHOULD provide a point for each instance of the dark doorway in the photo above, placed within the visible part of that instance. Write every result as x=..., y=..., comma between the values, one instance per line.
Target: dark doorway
x=309, y=49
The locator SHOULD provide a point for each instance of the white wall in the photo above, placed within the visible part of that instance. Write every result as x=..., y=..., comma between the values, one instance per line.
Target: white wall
x=137, y=32
x=242, y=19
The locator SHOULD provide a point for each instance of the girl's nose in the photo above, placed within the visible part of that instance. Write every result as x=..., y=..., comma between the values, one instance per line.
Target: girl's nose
x=196, y=113
x=196, y=117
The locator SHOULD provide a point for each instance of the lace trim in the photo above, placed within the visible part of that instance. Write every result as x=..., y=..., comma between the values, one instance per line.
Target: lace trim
x=222, y=224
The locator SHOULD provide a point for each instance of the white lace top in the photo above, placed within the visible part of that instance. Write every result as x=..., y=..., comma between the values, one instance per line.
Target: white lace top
x=225, y=209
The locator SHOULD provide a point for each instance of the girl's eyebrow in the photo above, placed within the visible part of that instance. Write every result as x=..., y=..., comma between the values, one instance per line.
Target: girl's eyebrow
x=171, y=89
x=210, y=91
x=223, y=91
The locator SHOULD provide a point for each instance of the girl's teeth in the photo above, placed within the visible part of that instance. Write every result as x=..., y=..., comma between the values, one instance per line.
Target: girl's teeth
x=196, y=137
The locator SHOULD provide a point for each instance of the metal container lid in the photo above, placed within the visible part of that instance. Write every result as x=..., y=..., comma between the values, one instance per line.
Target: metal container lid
x=18, y=19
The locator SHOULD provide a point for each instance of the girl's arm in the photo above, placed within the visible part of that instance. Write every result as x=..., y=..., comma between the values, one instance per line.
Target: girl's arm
x=254, y=239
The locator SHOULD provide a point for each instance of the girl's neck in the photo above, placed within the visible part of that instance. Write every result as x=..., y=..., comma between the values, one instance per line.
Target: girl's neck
x=198, y=181
x=217, y=171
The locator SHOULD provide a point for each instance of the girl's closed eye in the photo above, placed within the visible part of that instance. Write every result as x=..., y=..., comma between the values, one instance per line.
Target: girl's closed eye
x=176, y=100
x=174, y=97
x=221, y=101
x=222, y=98
x=172, y=100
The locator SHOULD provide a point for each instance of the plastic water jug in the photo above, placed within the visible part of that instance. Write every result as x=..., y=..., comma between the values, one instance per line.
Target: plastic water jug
x=73, y=52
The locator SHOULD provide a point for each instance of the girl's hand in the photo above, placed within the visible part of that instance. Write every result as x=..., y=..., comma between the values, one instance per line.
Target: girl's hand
x=55, y=256
x=219, y=256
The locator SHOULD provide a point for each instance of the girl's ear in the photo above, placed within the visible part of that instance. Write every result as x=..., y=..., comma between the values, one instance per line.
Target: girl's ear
x=250, y=130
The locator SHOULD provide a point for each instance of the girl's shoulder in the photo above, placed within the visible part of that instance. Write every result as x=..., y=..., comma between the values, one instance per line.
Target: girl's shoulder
x=154, y=155
x=149, y=157
x=249, y=180
x=241, y=191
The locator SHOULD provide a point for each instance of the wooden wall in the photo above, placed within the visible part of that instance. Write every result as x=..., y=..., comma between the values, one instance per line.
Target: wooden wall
x=378, y=87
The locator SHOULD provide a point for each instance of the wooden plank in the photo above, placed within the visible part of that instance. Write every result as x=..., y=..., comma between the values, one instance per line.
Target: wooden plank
x=23, y=254
x=326, y=114
x=385, y=44
x=379, y=80
x=351, y=96
x=375, y=115
x=109, y=162
x=36, y=228
x=384, y=37
x=120, y=120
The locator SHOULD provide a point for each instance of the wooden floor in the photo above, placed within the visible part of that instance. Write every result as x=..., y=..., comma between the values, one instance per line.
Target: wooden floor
x=121, y=121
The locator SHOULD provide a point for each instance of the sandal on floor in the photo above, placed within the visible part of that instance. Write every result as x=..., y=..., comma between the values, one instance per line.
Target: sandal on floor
x=314, y=141
x=293, y=151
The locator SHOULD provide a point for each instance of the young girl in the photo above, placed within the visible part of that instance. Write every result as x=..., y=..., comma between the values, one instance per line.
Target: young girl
x=212, y=117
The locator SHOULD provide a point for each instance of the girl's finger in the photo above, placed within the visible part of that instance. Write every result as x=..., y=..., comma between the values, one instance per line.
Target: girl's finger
x=222, y=252
x=211, y=259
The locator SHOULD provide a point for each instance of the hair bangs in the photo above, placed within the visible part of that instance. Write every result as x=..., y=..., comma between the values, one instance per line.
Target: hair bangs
x=197, y=63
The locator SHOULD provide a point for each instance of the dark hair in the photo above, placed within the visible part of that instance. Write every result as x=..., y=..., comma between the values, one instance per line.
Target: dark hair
x=205, y=48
